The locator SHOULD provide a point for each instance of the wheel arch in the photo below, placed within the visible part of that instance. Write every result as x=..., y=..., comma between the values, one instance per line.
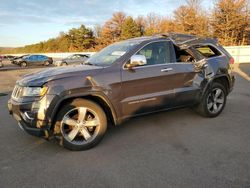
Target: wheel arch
x=97, y=98
x=222, y=79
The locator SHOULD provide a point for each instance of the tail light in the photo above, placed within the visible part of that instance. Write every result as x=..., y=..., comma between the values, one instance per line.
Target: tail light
x=231, y=61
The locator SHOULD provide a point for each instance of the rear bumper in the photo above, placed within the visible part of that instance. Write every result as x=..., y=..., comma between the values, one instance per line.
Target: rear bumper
x=26, y=119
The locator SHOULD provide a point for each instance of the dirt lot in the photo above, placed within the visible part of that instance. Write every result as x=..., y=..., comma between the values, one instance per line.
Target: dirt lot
x=169, y=149
x=8, y=78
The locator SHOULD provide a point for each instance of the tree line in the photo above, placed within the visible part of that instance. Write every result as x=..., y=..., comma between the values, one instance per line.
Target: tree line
x=228, y=21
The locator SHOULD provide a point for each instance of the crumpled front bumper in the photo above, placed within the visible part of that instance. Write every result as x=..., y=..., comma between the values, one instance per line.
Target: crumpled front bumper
x=26, y=119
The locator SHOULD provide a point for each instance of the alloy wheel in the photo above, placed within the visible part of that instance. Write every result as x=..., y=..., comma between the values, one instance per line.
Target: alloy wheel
x=215, y=100
x=80, y=125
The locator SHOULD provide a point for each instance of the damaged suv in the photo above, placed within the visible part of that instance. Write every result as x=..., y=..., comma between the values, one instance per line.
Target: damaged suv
x=126, y=79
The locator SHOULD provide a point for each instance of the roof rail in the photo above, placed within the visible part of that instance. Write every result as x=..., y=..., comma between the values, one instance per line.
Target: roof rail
x=178, y=38
x=184, y=40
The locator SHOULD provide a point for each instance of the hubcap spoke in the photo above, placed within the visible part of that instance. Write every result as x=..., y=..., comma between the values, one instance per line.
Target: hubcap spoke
x=91, y=123
x=84, y=131
x=73, y=133
x=81, y=114
x=220, y=101
x=215, y=106
x=69, y=121
x=210, y=105
x=217, y=93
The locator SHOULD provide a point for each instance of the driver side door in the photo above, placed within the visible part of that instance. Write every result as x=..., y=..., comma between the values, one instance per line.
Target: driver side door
x=149, y=87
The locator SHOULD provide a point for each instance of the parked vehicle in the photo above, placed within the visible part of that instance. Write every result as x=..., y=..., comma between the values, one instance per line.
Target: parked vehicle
x=75, y=59
x=1, y=63
x=17, y=59
x=7, y=57
x=29, y=60
x=126, y=79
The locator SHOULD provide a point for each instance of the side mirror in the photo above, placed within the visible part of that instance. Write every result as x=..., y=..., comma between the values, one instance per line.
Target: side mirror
x=137, y=60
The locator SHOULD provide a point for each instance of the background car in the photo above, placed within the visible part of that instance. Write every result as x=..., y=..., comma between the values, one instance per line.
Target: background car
x=7, y=57
x=28, y=60
x=75, y=59
x=10, y=57
x=16, y=59
x=1, y=64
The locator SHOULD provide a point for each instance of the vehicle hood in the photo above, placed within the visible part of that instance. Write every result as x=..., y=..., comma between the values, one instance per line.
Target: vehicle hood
x=40, y=78
x=17, y=59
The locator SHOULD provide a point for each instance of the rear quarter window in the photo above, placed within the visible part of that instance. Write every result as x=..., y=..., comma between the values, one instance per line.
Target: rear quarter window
x=208, y=51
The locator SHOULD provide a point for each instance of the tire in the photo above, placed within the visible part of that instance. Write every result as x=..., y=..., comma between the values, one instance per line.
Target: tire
x=210, y=105
x=23, y=64
x=46, y=63
x=64, y=64
x=81, y=132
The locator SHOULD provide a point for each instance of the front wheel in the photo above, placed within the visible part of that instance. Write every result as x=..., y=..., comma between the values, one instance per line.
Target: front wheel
x=64, y=64
x=82, y=124
x=213, y=101
x=23, y=64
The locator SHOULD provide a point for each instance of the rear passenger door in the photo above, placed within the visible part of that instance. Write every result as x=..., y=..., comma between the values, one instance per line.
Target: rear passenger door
x=188, y=90
x=149, y=87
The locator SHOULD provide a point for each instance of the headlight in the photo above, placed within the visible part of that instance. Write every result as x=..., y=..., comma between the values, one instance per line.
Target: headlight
x=34, y=91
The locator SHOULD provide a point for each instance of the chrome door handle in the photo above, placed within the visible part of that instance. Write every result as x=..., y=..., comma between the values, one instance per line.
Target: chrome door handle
x=167, y=70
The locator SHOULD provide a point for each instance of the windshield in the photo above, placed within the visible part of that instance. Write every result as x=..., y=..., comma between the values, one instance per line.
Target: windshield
x=70, y=57
x=110, y=54
x=24, y=56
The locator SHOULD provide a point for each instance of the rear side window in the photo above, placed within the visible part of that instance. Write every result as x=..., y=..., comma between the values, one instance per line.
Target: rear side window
x=43, y=57
x=208, y=51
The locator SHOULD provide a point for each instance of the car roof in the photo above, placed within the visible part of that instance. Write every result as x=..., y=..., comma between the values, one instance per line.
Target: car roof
x=179, y=39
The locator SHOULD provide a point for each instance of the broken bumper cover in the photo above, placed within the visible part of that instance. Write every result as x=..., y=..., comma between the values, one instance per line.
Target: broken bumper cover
x=26, y=118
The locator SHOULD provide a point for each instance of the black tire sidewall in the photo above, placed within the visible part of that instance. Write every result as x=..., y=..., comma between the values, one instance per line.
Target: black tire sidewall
x=101, y=115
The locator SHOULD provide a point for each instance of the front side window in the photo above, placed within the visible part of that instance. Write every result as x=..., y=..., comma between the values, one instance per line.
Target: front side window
x=156, y=53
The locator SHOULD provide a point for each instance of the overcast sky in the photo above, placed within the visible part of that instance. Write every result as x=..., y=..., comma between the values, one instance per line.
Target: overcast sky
x=25, y=22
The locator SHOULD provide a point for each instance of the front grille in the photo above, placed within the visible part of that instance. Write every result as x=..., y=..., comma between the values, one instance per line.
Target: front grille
x=17, y=92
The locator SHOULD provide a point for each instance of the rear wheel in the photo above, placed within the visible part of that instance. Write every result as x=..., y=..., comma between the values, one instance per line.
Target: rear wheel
x=82, y=124
x=23, y=64
x=213, y=101
x=46, y=63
